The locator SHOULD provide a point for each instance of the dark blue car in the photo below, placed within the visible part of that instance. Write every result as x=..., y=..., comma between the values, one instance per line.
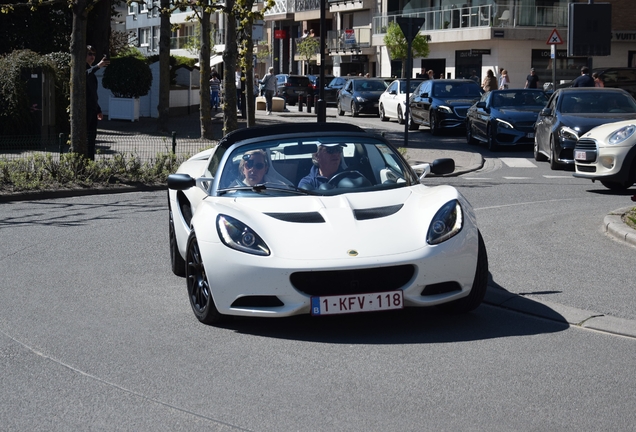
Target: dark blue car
x=504, y=117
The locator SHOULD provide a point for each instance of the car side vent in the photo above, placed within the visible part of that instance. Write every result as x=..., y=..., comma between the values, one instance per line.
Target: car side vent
x=378, y=212
x=440, y=288
x=306, y=217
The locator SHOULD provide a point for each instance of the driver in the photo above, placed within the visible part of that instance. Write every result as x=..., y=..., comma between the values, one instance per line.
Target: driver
x=327, y=163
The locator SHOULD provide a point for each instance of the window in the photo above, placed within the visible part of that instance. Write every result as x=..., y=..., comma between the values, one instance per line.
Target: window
x=144, y=37
x=132, y=8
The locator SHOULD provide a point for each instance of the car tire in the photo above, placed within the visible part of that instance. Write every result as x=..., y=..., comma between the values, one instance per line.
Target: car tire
x=199, y=291
x=470, y=139
x=538, y=156
x=340, y=110
x=412, y=125
x=383, y=116
x=432, y=124
x=616, y=186
x=177, y=263
x=480, y=284
x=492, y=141
x=354, y=109
x=554, y=165
x=400, y=115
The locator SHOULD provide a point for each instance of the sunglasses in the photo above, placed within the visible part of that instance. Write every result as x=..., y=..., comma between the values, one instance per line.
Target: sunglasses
x=333, y=150
x=251, y=164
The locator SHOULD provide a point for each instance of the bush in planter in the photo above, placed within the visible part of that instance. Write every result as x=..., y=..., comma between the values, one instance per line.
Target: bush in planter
x=127, y=77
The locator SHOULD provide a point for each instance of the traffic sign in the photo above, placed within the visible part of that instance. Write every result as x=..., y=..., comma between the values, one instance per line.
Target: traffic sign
x=555, y=38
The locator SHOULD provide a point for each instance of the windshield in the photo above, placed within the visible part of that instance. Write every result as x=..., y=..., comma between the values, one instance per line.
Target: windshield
x=326, y=165
x=369, y=85
x=458, y=90
x=519, y=99
x=414, y=84
x=597, y=102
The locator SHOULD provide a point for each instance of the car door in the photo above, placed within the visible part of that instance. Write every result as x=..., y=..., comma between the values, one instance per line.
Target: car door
x=345, y=95
x=480, y=115
x=545, y=120
x=419, y=100
x=389, y=100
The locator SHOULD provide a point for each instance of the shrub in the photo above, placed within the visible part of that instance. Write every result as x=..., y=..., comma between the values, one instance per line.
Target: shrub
x=127, y=77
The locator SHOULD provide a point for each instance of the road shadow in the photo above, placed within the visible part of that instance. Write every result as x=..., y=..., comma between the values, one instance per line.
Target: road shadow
x=493, y=319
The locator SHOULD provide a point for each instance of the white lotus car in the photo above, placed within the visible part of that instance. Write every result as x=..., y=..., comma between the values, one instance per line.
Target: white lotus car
x=258, y=230
x=392, y=103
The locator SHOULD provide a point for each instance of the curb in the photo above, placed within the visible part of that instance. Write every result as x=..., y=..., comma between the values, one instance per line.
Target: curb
x=614, y=226
x=559, y=313
x=68, y=193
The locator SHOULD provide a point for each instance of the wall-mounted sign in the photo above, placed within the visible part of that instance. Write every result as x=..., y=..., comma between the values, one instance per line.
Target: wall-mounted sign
x=474, y=52
x=498, y=33
x=280, y=34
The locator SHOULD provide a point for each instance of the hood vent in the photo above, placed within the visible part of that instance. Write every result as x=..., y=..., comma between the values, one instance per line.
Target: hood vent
x=306, y=217
x=378, y=212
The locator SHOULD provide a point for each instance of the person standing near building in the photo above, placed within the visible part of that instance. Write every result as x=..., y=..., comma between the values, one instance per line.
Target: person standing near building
x=585, y=80
x=490, y=82
x=269, y=85
x=504, y=82
x=215, y=87
x=532, y=80
x=598, y=81
x=93, y=110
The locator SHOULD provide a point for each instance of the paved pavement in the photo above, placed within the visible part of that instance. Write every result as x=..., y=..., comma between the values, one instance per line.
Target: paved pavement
x=187, y=126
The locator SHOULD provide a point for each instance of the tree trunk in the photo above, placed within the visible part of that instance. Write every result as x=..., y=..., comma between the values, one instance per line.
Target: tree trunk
x=163, y=108
x=78, y=79
x=230, y=56
x=204, y=76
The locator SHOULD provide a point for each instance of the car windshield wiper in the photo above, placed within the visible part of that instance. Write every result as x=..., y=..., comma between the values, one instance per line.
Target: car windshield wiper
x=258, y=188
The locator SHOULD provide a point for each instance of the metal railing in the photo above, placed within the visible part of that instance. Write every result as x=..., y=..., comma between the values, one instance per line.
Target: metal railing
x=108, y=144
x=479, y=16
x=349, y=40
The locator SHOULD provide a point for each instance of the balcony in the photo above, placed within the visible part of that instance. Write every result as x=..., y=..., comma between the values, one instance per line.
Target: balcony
x=479, y=16
x=349, y=41
x=281, y=7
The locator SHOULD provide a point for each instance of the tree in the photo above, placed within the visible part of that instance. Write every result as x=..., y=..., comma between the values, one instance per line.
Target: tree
x=308, y=48
x=397, y=45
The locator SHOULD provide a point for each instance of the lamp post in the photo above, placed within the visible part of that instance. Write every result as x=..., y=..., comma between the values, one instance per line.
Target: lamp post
x=321, y=106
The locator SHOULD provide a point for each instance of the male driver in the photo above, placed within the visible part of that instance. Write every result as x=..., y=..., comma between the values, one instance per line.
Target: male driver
x=532, y=80
x=585, y=80
x=326, y=163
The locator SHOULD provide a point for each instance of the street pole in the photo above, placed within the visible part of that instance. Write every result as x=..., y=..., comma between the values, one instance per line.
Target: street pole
x=321, y=106
x=410, y=28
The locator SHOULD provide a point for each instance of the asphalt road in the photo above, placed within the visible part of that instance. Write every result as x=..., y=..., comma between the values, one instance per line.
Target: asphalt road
x=97, y=334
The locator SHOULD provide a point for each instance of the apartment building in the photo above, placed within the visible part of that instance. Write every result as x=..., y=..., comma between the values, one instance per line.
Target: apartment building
x=464, y=35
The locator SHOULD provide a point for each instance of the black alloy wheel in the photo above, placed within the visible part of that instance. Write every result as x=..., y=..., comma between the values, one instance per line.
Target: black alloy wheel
x=492, y=141
x=199, y=291
x=412, y=125
x=554, y=163
x=383, y=116
x=400, y=116
x=470, y=139
x=354, y=109
x=432, y=124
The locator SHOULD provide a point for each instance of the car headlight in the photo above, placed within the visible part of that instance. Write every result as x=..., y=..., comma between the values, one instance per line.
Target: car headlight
x=444, y=108
x=360, y=99
x=567, y=134
x=504, y=124
x=622, y=134
x=447, y=222
x=237, y=235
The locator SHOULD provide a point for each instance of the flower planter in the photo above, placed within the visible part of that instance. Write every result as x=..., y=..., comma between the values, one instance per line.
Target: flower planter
x=123, y=108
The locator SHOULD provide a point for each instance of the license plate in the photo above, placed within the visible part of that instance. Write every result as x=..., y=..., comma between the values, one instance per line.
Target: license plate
x=580, y=155
x=300, y=92
x=354, y=303
x=530, y=135
x=375, y=105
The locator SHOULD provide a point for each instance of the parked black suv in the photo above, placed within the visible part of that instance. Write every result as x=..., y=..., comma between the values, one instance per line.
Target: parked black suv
x=290, y=87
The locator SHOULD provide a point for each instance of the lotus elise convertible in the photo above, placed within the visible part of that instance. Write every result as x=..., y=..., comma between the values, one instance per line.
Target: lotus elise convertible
x=260, y=228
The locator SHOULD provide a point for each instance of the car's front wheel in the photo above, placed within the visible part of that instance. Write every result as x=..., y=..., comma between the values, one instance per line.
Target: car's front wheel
x=480, y=284
x=554, y=163
x=617, y=186
x=538, y=156
x=199, y=290
x=354, y=109
x=383, y=116
x=492, y=141
x=412, y=125
x=432, y=124
x=470, y=139
x=340, y=110
x=400, y=116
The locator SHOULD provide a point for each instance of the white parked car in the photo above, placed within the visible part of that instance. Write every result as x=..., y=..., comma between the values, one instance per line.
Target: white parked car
x=392, y=102
x=608, y=153
x=258, y=231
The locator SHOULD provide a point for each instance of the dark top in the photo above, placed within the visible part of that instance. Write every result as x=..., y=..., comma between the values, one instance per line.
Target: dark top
x=584, y=81
x=91, y=89
x=533, y=80
x=313, y=180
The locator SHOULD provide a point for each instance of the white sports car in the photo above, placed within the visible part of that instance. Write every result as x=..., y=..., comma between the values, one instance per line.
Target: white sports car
x=259, y=229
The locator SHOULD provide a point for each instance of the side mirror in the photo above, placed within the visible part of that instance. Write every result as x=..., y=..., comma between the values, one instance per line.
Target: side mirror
x=546, y=112
x=180, y=181
x=424, y=95
x=393, y=92
x=438, y=166
x=481, y=105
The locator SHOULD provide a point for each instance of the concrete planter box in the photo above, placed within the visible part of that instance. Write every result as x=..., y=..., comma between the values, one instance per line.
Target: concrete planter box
x=123, y=108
